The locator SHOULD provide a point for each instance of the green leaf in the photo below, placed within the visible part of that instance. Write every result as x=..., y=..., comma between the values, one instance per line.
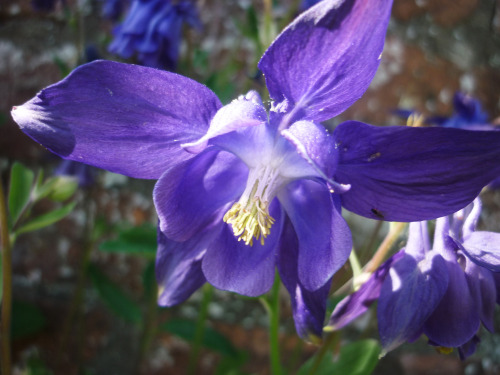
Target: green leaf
x=149, y=281
x=46, y=219
x=27, y=319
x=21, y=182
x=212, y=339
x=357, y=358
x=138, y=241
x=114, y=297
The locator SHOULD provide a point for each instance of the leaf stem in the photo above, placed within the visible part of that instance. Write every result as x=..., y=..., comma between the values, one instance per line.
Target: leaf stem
x=6, y=250
x=386, y=245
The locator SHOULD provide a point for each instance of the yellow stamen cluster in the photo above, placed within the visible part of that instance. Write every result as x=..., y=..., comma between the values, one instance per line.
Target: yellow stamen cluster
x=415, y=120
x=444, y=349
x=250, y=221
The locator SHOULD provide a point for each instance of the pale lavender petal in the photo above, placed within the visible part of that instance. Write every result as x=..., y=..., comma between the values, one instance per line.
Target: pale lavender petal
x=178, y=267
x=483, y=248
x=325, y=60
x=194, y=193
x=456, y=319
x=358, y=303
x=324, y=237
x=400, y=173
x=239, y=114
x=308, y=308
x=231, y=265
x=408, y=296
x=124, y=118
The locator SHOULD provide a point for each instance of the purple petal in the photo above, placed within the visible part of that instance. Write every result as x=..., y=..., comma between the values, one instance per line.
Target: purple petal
x=309, y=308
x=400, y=173
x=178, y=267
x=483, y=248
x=358, y=303
x=482, y=286
x=469, y=348
x=408, y=296
x=316, y=146
x=124, y=118
x=324, y=237
x=239, y=114
x=231, y=265
x=456, y=318
x=325, y=60
x=193, y=194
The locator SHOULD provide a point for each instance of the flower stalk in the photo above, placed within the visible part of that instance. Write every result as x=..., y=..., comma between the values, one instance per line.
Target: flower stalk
x=6, y=313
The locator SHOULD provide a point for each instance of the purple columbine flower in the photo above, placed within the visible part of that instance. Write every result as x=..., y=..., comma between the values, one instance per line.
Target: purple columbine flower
x=467, y=114
x=152, y=30
x=444, y=292
x=242, y=191
x=113, y=9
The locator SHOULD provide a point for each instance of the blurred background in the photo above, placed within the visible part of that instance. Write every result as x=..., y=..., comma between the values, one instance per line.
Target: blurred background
x=84, y=291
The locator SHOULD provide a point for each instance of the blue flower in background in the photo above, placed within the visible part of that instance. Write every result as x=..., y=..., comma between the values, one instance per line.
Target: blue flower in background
x=444, y=292
x=306, y=4
x=242, y=190
x=113, y=9
x=85, y=174
x=152, y=31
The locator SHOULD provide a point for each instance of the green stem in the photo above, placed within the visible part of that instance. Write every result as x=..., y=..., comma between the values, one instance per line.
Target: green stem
x=329, y=341
x=200, y=329
x=7, y=286
x=394, y=232
x=274, y=316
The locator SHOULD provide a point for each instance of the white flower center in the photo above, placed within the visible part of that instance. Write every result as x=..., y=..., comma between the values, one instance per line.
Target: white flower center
x=249, y=217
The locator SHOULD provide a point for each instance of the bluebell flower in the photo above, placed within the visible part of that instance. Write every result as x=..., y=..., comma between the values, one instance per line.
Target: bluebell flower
x=444, y=292
x=152, y=31
x=242, y=190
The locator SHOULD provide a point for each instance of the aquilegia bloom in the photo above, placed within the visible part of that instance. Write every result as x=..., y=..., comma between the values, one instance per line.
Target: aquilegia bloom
x=444, y=292
x=241, y=191
x=152, y=30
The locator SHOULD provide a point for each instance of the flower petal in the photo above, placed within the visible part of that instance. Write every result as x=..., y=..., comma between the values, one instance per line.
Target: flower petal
x=456, y=318
x=400, y=173
x=316, y=146
x=358, y=303
x=124, y=118
x=178, y=267
x=325, y=60
x=408, y=296
x=191, y=195
x=231, y=265
x=324, y=237
x=483, y=248
x=240, y=113
x=308, y=308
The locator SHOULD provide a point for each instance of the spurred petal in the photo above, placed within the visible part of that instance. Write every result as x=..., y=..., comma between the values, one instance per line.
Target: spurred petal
x=456, y=318
x=239, y=114
x=124, y=118
x=418, y=240
x=178, y=267
x=325, y=60
x=358, y=303
x=400, y=173
x=324, y=237
x=482, y=286
x=409, y=295
x=231, y=265
x=308, y=307
x=193, y=194
x=483, y=248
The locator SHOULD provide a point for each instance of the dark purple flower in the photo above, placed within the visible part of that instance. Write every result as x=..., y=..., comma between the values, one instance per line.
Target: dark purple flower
x=467, y=114
x=152, y=30
x=444, y=292
x=242, y=191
